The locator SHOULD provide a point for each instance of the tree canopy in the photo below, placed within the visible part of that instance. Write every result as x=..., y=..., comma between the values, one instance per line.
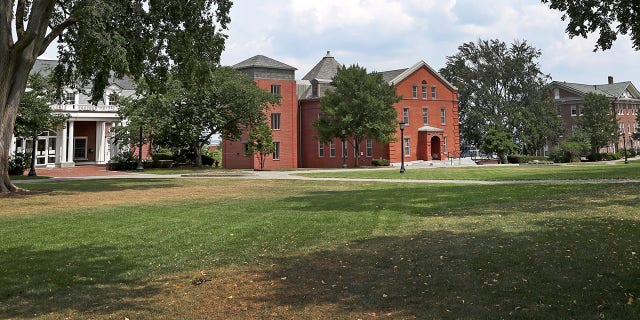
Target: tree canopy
x=607, y=17
x=98, y=38
x=598, y=121
x=180, y=118
x=361, y=104
x=501, y=86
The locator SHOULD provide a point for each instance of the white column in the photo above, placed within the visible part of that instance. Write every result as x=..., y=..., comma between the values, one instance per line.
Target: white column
x=100, y=141
x=70, y=145
x=61, y=152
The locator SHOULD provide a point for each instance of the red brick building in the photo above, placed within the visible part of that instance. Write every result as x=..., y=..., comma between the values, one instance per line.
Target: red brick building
x=429, y=108
x=625, y=102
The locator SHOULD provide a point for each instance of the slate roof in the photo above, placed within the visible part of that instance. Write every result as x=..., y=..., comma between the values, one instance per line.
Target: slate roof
x=614, y=90
x=261, y=61
x=387, y=76
x=325, y=69
x=45, y=67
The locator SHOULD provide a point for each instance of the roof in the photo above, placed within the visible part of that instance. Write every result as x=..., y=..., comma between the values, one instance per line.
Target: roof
x=430, y=129
x=612, y=90
x=261, y=61
x=326, y=69
x=407, y=72
x=45, y=67
x=387, y=76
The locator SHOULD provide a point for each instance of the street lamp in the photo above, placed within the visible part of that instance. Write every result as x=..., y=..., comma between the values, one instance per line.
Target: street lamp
x=344, y=148
x=624, y=142
x=402, y=169
x=140, y=167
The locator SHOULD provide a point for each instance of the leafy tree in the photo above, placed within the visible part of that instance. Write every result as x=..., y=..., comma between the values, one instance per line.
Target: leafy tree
x=598, y=121
x=501, y=86
x=224, y=102
x=609, y=18
x=35, y=115
x=96, y=38
x=499, y=141
x=261, y=141
x=575, y=146
x=361, y=104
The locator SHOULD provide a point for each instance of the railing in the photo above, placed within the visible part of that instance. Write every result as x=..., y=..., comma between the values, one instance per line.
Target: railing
x=84, y=107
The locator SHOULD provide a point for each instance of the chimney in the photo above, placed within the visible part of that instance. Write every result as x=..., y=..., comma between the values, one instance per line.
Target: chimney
x=610, y=80
x=328, y=55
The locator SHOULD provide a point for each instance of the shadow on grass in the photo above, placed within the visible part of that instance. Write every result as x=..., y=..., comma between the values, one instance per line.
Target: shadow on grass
x=463, y=200
x=104, y=185
x=572, y=271
x=76, y=279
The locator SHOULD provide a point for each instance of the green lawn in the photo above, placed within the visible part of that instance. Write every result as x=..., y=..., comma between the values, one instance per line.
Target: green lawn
x=314, y=249
x=497, y=173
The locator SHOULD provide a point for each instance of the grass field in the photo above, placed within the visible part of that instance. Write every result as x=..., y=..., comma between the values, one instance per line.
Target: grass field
x=256, y=249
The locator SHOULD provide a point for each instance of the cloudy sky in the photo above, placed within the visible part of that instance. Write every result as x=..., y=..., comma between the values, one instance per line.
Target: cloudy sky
x=392, y=34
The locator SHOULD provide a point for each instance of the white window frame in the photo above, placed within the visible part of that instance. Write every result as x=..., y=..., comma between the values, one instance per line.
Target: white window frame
x=407, y=146
x=434, y=94
x=405, y=115
x=332, y=149
x=276, y=150
x=425, y=116
x=320, y=149
x=443, y=116
x=86, y=142
x=275, y=120
x=369, y=148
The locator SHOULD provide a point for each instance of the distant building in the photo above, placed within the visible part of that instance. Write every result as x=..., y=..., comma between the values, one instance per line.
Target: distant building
x=85, y=138
x=625, y=102
x=429, y=107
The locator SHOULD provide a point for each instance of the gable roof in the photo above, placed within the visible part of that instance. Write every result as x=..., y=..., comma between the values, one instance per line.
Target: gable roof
x=45, y=67
x=387, y=76
x=407, y=72
x=261, y=61
x=326, y=69
x=610, y=90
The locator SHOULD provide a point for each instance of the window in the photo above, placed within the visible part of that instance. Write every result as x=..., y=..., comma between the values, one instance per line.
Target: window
x=275, y=121
x=275, y=88
x=405, y=116
x=556, y=93
x=424, y=92
x=345, y=150
x=332, y=149
x=433, y=92
x=69, y=98
x=414, y=92
x=443, y=115
x=425, y=115
x=407, y=146
x=80, y=148
x=369, y=148
x=574, y=110
x=444, y=144
x=245, y=149
x=320, y=149
x=276, y=151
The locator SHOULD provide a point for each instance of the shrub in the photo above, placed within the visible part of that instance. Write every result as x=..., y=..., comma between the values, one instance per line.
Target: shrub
x=157, y=156
x=206, y=160
x=124, y=160
x=380, y=162
x=18, y=163
x=603, y=156
x=516, y=158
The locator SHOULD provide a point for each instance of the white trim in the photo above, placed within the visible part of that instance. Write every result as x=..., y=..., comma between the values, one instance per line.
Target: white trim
x=405, y=74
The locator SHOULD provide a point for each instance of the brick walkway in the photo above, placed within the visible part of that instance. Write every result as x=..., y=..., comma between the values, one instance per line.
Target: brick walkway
x=78, y=171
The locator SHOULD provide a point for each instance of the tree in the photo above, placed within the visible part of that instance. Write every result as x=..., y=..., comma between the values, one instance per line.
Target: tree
x=35, y=115
x=260, y=141
x=361, y=104
x=575, y=146
x=499, y=141
x=609, y=18
x=96, y=38
x=598, y=121
x=224, y=102
x=501, y=86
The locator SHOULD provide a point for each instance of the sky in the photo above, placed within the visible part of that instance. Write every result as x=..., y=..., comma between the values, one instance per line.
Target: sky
x=383, y=35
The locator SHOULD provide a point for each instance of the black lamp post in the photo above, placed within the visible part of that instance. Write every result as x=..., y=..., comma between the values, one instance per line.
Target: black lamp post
x=624, y=142
x=140, y=166
x=402, y=169
x=344, y=148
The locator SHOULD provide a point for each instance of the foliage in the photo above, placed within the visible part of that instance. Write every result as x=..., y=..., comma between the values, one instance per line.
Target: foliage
x=598, y=121
x=101, y=38
x=607, y=156
x=517, y=158
x=380, y=162
x=498, y=141
x=361, y=104
x=18, y=163
x=123, y=160
x=184, y=116
x=607, y=17
x=260, y=141
x=502, y=86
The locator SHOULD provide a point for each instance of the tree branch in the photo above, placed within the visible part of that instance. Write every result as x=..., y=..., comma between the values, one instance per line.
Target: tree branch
x=55, y=32
x=20, y=18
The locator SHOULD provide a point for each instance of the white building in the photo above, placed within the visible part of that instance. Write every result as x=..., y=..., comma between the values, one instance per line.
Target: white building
x=85, y=138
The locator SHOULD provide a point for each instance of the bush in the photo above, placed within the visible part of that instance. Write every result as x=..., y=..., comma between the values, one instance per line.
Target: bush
x=603, y=156
x=380, y=162
x=206, y=160
x=18, y=163
x=158, y=156
x=516, y=158
x=124, y=160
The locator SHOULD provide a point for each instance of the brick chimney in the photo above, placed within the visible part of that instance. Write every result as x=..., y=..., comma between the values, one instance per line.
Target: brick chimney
x=610, y=80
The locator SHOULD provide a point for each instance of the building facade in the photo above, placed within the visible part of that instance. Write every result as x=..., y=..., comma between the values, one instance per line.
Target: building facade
x=625, y=102
x=85, y=138
x=429, y=109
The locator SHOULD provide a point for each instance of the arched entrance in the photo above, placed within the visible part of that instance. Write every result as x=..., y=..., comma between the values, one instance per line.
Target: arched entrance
x=435, y=148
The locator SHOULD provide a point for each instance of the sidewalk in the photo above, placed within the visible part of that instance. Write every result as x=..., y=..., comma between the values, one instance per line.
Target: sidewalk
x=79, y=171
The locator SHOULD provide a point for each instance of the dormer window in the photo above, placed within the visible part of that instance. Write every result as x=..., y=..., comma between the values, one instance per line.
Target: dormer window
x=556, y=93
x=70, y=98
